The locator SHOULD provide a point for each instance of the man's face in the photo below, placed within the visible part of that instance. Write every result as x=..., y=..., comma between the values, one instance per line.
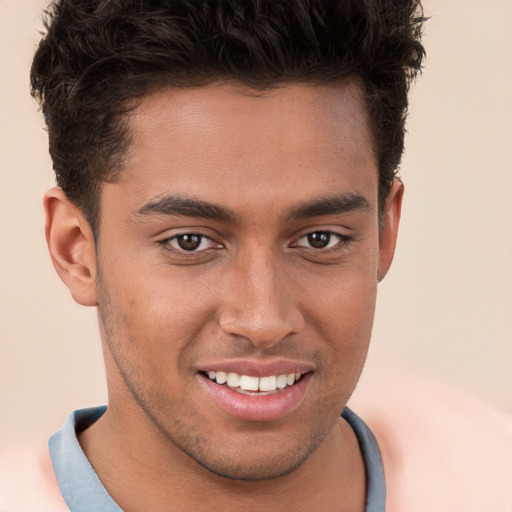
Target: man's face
x=241, y=242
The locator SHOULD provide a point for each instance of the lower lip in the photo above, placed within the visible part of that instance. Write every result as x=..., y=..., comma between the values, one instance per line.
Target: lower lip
x=258, y=407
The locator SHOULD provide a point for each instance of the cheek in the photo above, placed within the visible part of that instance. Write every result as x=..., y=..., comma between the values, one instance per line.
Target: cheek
x=343, y=299
x=152, y=321
x=340, y=310
x=158, y=296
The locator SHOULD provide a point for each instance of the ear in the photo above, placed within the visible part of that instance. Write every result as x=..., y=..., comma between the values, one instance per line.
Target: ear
x=71, y=245
x=389, y=227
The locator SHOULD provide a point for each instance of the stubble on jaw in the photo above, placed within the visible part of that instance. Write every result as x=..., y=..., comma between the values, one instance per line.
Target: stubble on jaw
x=190, y=441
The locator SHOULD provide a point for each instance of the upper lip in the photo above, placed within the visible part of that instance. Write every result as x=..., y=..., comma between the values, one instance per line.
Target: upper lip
x=258, y=368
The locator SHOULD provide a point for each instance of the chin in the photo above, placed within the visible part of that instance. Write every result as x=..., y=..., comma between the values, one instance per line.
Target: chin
x=256, y=460
x=254, y=470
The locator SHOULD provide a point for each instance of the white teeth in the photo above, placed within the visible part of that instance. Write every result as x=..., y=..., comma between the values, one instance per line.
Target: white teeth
x=249, y=383
x=281, y=381
x=221, y=377
x=233, y=380
x=268, y=383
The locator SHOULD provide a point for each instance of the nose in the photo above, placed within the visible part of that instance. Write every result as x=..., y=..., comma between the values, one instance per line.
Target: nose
x=258, y=302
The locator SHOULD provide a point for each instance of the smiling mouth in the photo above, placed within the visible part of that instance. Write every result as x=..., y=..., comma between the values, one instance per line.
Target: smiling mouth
x=249, y=385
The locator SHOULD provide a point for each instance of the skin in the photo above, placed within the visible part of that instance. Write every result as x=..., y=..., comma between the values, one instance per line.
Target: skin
x=256, y=289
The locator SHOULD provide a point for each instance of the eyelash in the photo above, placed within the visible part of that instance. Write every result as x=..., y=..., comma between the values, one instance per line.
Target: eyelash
x=342, y=242
x=167, y=244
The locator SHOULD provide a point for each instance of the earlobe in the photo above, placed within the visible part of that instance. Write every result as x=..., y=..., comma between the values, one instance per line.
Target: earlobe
x=389, y=227
x=71, y=245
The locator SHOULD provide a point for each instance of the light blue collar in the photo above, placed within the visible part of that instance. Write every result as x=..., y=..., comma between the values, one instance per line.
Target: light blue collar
x=83, y=491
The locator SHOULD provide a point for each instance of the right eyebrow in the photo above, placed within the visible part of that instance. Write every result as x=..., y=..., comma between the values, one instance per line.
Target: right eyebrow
x=185, y=207
x=331, y=205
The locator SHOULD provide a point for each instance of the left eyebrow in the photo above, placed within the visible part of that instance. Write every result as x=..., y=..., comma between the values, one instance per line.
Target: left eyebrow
x=333, y=205
x=185, y=207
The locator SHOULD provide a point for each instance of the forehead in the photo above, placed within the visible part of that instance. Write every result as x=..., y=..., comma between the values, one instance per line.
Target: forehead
x=227, y=142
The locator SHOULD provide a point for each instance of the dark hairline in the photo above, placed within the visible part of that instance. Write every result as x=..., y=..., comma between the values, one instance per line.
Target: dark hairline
x=87, y=79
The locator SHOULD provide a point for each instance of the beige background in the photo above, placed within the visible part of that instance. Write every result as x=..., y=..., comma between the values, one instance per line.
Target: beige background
x=445, y=310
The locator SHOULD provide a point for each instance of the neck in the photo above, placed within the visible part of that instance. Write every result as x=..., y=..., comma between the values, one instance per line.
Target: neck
x=142, y=470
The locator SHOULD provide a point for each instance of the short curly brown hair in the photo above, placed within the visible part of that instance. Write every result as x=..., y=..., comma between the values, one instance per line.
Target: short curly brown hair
x=98, y=57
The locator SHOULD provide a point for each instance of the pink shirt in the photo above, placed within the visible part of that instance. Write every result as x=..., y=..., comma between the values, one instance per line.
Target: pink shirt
x=443, y=451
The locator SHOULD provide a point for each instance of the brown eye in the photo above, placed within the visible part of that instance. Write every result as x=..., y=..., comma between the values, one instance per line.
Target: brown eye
x=319, y=240
x=190, y=242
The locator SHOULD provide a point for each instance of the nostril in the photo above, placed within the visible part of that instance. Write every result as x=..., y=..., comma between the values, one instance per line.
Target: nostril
x=263, y=327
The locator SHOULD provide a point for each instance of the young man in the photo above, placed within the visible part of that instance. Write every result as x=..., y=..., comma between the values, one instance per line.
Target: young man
x=227, y=200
